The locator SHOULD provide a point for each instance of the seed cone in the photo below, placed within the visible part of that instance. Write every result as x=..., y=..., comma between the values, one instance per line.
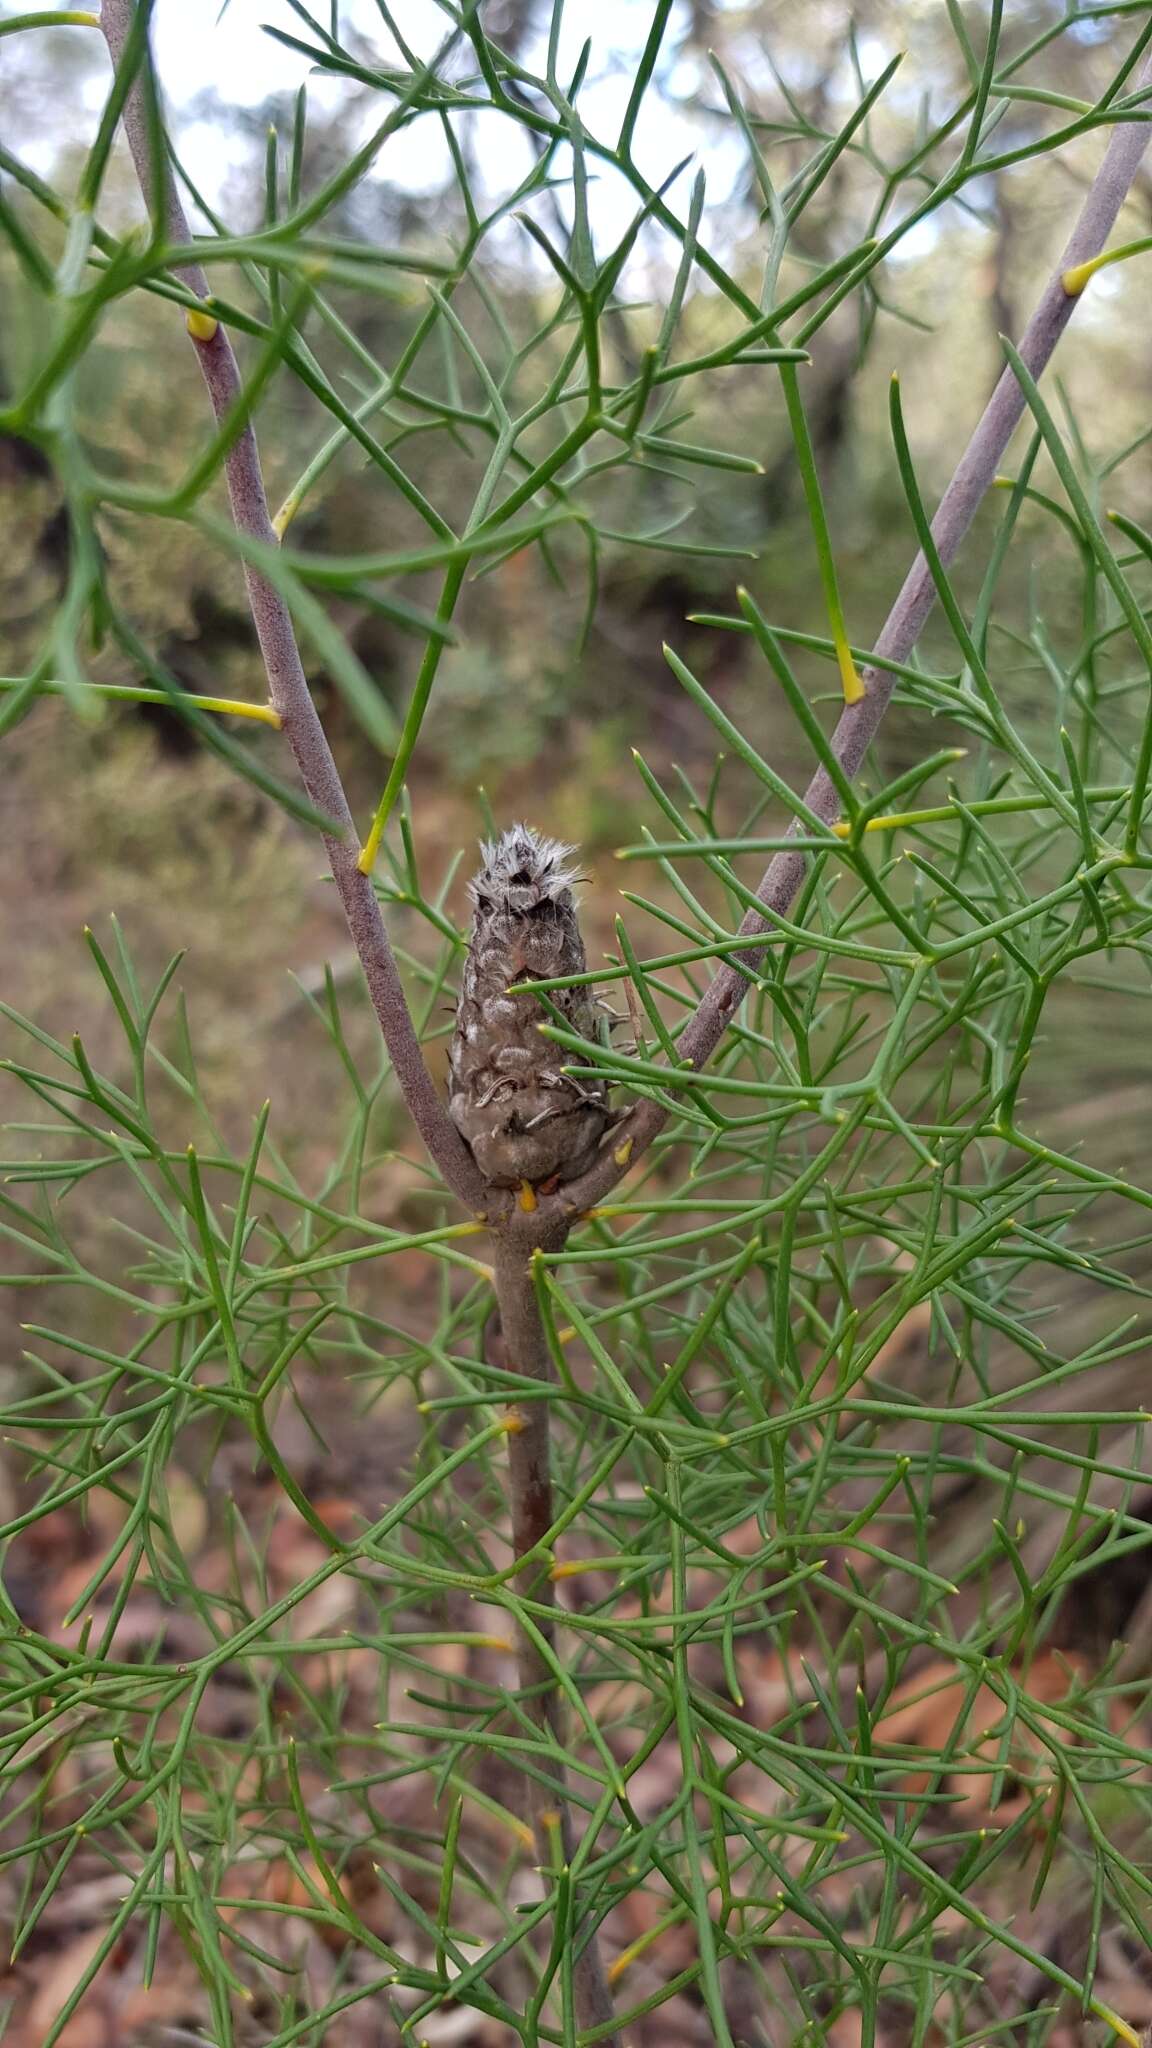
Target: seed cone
x=524, y=1119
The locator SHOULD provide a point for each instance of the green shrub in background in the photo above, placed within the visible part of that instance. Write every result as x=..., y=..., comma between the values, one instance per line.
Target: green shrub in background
x=785, y=1762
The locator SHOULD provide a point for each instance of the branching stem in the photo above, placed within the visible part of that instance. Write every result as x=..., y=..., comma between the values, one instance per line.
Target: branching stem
x=287, y=685
x=975, y=474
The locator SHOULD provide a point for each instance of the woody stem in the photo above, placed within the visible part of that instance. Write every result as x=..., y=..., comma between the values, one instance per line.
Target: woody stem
x=533, y=1514
x=860, y=721
x=287, y=685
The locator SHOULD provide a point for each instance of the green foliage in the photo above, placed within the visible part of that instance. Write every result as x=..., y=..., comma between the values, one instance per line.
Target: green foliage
x=748, y=1478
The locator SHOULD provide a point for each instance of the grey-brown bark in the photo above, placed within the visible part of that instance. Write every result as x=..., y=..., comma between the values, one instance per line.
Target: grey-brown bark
x=533, y=1512
x=287, y=685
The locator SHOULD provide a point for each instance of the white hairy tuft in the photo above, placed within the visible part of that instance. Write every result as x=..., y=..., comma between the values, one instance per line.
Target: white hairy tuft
x=520, y=869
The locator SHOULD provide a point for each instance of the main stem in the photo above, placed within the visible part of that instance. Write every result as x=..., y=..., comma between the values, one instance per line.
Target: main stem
x=533, y=1513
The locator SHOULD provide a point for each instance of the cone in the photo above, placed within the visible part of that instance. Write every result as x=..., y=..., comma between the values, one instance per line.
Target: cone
x=524, y=1118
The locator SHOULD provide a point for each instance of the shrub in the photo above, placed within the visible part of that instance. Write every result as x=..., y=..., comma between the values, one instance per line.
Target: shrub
x=658, y=1603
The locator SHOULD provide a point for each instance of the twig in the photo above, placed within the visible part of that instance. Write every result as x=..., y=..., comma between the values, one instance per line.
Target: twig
x=858, y=722
x=530, y=1491
x=287, y=685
